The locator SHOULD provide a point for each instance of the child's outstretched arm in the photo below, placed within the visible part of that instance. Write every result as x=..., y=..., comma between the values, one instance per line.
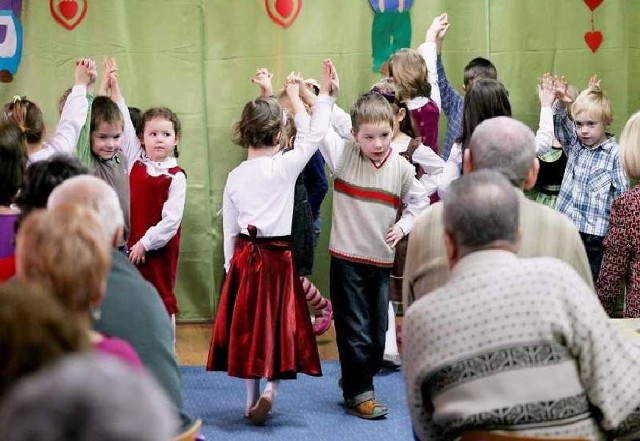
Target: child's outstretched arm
x=73, y=116
x=157, y=236
x=546, y=95
x=131, y=146
x=312, y=131
x=449, y=96
x=428, y=51
x=563, y=127
x=263, y=79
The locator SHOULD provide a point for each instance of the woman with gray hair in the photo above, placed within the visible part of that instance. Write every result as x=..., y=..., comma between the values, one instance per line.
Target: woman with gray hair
x=87, y=398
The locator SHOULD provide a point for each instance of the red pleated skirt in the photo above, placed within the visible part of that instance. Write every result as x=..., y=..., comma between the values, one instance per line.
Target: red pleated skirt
x=262, y=327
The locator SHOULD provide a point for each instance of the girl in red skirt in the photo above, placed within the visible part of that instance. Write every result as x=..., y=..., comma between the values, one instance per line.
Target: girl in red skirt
x=262, y=327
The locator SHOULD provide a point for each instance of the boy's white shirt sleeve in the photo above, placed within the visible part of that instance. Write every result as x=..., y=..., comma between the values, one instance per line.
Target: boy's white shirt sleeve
x=452, y=169
x=544, y=135
x=331, y=148
x=229, y=227
x=415, y=200
x=130, y=144
x=72, y=118
x=429, y=53
x=172, y=211
x=341, y=122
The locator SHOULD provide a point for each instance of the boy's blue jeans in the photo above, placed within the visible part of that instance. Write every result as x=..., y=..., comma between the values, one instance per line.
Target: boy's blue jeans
x=360, y=298
x=595, y=251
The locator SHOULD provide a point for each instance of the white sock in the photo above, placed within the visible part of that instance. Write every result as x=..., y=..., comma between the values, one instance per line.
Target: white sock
x=390, y=342
x=271, y=389
x=173, y=330
x=253, y=392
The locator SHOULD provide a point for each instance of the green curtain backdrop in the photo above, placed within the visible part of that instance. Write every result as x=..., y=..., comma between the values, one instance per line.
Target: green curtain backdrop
x=197, y=56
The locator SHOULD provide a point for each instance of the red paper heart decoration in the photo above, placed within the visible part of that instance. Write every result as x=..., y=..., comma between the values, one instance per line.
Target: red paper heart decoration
x=593, y=4
x=68, y=12
x=593, y=40
x=283, y=12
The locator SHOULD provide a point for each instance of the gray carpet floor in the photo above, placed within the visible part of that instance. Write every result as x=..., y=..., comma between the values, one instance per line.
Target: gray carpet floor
x=308, y=408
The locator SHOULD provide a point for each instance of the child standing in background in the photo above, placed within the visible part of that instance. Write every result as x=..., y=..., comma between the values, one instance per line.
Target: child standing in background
x=428, y=166
x=452, y=101
x=158, y=188
x=414, y=73
x=370, y=184
x=158, y=192
x=594, y=176
x=262, y=327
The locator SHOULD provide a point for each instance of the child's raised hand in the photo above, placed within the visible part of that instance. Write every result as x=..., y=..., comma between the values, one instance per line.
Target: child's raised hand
x=292, y=86
x=546, y=91
x=329, y=81
x=594, y=82
x=108, y=67
x=561, y=88
x=393, y=236
x=82, y=73
x=438, y=29
x=137, y=253
x=263, y=79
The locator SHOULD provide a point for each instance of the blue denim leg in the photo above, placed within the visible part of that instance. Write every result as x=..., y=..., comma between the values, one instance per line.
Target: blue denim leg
x=360, y=298
x=595, y=251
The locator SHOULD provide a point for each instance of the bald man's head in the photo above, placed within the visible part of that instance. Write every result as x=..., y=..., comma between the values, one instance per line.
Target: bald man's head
x=89, y=191
x=505, y=145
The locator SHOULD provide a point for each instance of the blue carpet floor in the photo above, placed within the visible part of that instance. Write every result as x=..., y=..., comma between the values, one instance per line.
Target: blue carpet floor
x=308, y=408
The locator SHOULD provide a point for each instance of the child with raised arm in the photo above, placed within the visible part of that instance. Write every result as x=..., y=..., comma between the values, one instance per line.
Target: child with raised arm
x=594, y=175
x=370, y=184
x=451, y=100
x=416, y=78
x=27, y=115
x=311, y=187
x=552, y=158
x=158, y=187
x=262, y=327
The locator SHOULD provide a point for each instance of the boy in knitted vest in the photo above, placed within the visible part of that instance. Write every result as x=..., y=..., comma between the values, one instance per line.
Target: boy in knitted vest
x=370, y=184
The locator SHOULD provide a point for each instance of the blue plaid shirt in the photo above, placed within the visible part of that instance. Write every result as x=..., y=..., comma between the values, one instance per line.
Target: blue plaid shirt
x=592, y=179
x=452, y=104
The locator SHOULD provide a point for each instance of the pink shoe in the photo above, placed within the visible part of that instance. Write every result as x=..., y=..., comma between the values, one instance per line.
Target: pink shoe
x=323, y=320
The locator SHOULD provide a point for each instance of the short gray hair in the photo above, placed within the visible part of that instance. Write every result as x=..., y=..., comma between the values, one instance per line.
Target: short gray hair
x=93, y=397
x=480, y=209
x=505, y=145
x=93, y=193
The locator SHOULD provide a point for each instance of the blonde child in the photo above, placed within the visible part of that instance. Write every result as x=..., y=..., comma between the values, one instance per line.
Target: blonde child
x=594, y=175
x=262, y=327
x=370, y=184
x=27, y=115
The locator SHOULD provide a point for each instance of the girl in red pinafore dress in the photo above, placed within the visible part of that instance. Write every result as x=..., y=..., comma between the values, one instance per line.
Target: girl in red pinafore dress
x=262, y=327
x=158, y=192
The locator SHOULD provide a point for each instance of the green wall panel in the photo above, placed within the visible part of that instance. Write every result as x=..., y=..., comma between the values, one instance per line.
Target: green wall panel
x=197, y=56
